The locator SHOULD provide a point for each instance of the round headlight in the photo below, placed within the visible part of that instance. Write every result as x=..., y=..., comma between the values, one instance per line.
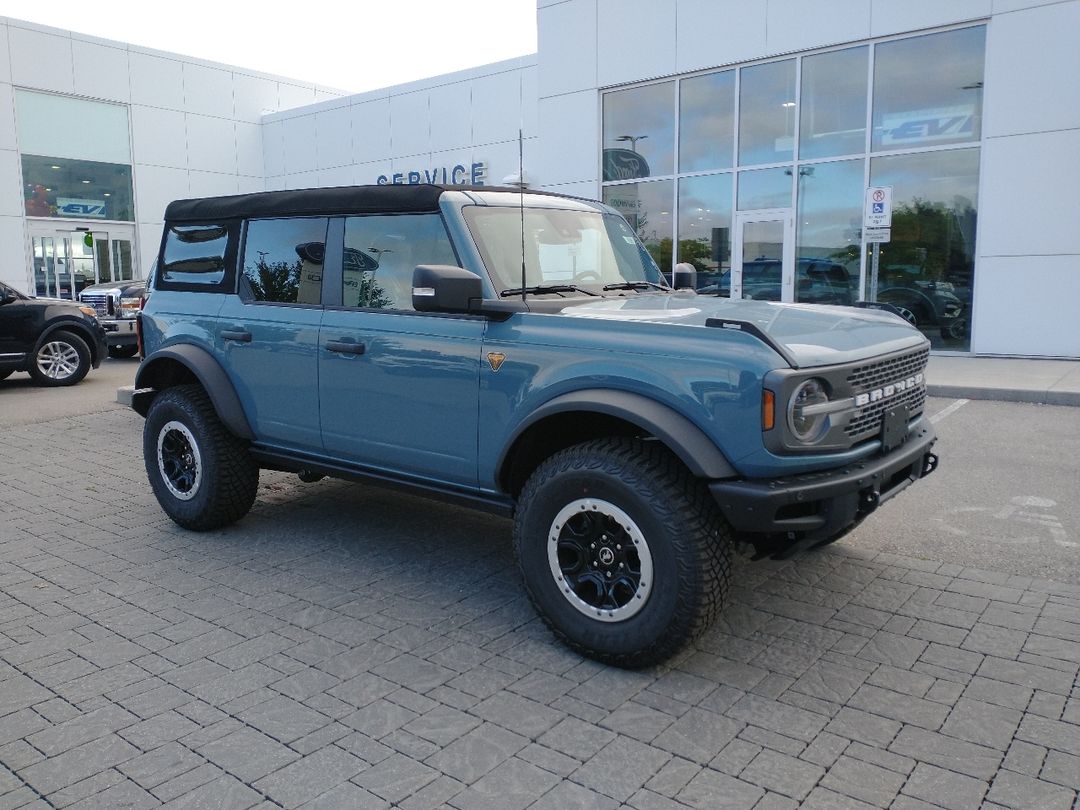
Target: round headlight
x=806, y=426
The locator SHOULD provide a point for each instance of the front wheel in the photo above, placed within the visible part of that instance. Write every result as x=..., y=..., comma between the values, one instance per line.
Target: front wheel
x=62, y=358
x=202, y=475
x=622, y=550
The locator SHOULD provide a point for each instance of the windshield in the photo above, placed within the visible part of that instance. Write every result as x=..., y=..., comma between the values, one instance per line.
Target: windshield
x=586, y=249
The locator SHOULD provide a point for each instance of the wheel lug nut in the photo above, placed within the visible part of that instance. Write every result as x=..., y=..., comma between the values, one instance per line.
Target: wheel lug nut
x=593, y=545
x=609, y=574
x=618, y=548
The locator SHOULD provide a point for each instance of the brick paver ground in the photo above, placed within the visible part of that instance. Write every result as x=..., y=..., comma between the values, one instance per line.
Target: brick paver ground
x=345, y=647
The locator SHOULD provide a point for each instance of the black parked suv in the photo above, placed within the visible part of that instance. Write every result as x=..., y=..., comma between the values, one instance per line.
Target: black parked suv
x=58, y=342
x=117, y=303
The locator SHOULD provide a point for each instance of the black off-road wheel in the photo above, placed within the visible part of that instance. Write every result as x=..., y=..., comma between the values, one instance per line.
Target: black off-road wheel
x=123, y=352
x=623, y=552
x=62, y=358
x=202, y=475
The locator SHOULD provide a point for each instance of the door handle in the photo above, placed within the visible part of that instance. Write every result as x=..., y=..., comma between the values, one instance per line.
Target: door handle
x=343, y=347
x=238, y=336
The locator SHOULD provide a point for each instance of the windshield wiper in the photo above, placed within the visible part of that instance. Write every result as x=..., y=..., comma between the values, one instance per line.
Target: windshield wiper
x=540, y=289
x=636, y=285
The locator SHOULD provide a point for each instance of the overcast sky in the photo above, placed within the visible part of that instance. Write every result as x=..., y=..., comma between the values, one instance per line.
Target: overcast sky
x=358, y=45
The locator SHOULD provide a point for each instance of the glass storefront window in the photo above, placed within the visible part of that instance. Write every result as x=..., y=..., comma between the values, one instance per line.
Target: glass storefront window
x=765, y=188
x=927, y=268
x=827, y=244
x=705, y=225
x=707, y=122
x=647, y=207
x=928, y=90
x=78, y=128
x=639, y=132
x=767, y=113
x=76, y=189
x=833, y=104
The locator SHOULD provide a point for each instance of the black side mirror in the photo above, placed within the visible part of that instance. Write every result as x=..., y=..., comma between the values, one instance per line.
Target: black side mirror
x=445, y=288
x=684, y=277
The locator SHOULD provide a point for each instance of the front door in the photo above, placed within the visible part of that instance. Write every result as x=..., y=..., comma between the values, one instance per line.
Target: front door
x=763, y=260
x=66, y=259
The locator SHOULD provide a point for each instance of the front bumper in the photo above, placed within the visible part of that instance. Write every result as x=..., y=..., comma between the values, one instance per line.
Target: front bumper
x=120, y=332
x=803, y=510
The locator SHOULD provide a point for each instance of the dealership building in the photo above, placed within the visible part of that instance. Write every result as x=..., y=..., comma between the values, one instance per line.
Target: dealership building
x=922, y=153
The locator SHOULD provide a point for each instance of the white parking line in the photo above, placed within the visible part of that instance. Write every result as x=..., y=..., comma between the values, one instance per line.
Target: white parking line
x=937, y=417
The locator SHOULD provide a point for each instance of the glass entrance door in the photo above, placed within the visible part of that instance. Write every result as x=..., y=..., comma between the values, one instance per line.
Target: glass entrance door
x=763, y=264
x=66, y=261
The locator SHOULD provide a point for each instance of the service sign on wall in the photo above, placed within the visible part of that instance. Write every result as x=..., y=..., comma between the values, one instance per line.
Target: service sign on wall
x=473, y=174
x=80, y=209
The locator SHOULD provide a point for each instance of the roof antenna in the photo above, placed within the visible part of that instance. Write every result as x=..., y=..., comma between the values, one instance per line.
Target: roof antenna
x=521, y=206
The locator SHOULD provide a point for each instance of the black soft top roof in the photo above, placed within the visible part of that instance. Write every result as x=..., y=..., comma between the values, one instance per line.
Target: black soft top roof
x=342, y=200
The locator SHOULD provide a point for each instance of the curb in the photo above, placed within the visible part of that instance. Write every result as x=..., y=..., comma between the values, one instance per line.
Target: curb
x=1032, y=396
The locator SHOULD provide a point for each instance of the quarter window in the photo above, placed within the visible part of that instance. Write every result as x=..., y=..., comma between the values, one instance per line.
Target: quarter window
x=283, y=261
x=195, y=254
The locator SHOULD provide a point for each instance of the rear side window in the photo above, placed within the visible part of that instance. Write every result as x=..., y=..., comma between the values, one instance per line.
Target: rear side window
x=283, y=261
x=194, y=255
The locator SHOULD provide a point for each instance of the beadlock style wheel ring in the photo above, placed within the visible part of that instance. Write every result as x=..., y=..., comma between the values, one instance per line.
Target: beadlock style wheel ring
x=600, y=560
x=179, y=460
x=57, y=360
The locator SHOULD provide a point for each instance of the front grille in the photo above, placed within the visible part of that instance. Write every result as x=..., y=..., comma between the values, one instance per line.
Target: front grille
x=99, y=301
x=866, y=423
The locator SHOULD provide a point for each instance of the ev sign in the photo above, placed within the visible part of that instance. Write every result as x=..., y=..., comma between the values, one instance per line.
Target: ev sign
x=878, y=210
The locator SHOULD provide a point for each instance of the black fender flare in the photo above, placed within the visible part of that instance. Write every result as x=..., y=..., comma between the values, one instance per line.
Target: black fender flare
x=77, y=328
x=211, y=376
x=685, y=439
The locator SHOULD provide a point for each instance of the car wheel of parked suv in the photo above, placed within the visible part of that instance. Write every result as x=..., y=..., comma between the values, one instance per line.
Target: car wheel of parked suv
x=60, y=359
x=123, y=352
x=623, y=552
x=201, y=474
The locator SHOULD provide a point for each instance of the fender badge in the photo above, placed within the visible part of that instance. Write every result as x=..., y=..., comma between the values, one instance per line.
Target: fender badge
x=495, y=360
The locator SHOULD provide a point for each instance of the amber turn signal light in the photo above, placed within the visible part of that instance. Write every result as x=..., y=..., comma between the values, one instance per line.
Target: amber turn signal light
x=768, y=410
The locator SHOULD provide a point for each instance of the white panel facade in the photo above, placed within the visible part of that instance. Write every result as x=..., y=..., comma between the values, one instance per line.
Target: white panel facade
x=211, y=144
x=208, y=91
x=569, y=152
x=254, y=97
x=410, y=128
x=40, y=60
x=794, y=25
x=156, y=187
x=566, y=35
x=718, y=32
x=211, y=184
x=12, y=251
x=1030, y=205
x=11, y=199
x=159, y=137
x=249, y=150
x=333, y=131
x=100, y=71
x=371, y=130
x=5, y=54
x=892, y=17
x=299, y=139
x=1025, y=305
x=8, y=138
x=450, y=113
x=156, y=81
x=634, y=39
x=496, y=107
x=1038, y=92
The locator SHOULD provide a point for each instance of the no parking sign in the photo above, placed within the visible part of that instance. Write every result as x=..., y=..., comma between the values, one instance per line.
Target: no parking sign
x=877, y=213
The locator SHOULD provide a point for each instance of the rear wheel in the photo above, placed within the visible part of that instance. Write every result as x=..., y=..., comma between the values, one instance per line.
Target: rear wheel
x=622, y=550
x=62, y=358
x=202, y=475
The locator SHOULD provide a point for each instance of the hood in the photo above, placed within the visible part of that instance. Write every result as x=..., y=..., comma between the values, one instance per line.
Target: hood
x=114, y=286
x=806, y=335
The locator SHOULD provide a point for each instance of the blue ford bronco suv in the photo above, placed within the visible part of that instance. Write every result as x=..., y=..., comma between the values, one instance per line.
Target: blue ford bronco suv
x=522, y=353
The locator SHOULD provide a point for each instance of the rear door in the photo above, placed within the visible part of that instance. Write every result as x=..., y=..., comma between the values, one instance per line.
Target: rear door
x=398, y=388
x=268, y=334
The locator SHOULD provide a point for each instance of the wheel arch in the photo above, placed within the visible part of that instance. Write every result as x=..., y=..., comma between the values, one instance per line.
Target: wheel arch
x=75, y=328
x=183, y=364
x=579, y=416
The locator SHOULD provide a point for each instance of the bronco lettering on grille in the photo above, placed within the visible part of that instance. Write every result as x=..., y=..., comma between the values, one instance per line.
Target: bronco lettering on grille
x=888, y=391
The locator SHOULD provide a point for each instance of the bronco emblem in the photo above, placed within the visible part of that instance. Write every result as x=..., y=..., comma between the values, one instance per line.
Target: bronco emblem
x=495, y=360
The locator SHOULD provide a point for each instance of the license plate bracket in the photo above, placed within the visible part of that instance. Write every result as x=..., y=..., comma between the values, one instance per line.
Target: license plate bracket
x=894, y=427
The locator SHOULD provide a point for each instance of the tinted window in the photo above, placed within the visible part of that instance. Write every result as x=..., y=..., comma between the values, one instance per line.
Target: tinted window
x=707, y=122
x=639, y=132
x=833, y=101
x=381, y=253
x=195, y=254
x=767, y=113
x=705, y=225
x=283, y=260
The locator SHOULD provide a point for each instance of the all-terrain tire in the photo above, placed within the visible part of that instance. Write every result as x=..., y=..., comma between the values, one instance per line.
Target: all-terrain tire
x=611, y=510
x=62, y=358
x=202, y=475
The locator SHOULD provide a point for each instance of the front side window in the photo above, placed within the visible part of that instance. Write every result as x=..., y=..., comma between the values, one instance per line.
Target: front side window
x=283, y=261
x=582, y=248
x=381, y=253
x=195, y=254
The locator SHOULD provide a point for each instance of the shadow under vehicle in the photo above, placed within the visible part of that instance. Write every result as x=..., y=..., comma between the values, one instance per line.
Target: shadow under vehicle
x=57, y=342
